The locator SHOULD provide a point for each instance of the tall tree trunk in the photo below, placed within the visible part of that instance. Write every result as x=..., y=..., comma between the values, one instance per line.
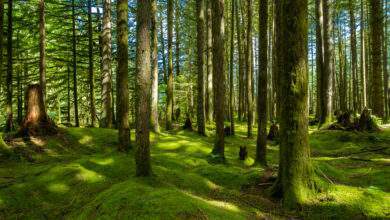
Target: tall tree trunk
x=354, y=73
x=326, y=72
x=142, y=153
x=106, y=65
x=248, y=59
x=164, y=59
x=42, y=46
x=74, y=56
x=9, y=123
x=231, y=81
x=122, y=77
x=200, y=14
x=209, y=79
x=376, y=21
x=1, y=43
x=177, y=36
x=240, y=64
x=294, y=177
x=385, y=70
x=19, y=91
x=343, y=75
x=68, y=97
x=91, y=80
x=363, y=70
x=154, y=89
x=262, y=84
x=218, y=74
x=169, y=103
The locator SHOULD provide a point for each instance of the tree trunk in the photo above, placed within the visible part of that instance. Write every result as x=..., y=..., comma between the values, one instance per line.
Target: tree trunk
x=164, y=59
x=68, y=98
x=354, y=73
x=36, y=121
x=248, y=60
x=240, y=64
x=142, y=153
x=169, y=104
x=75, y=94
x=154, y=89
x=376, y=21
x=218, y=75
x=122, y=77
x=200, y=14
x=294, y=178
x=9, y=123
x=1, y=43
x=262, y=84
x=209, y=80
x=343, y=75
x=363, y=70
x=91, y=77
x=177, y=36
x=319, y=53
x=231, y=82
x=42, y=46
x=106, y=67
x=385, y=70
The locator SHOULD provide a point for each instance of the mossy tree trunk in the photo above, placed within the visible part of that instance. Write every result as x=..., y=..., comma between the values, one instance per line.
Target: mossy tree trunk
x=363, y=69
x=42, y=48
x=142, y=153
x=154, y=95
x=1, y=43
x=200, y=24
x=74, y=62
x=385, y=70
x=122, y=77
x=209, y=79
x=376, y=21
x=294, y=176
x=9, y=123
x=248, y=60
x=91, y=77
x=218, y=74
x=106, y=66
x=231, y=71
x=262, y=84
x=169, y=105
x=352, y=26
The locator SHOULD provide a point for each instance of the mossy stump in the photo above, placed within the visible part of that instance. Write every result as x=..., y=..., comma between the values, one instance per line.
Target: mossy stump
x=36, y=121
x=273, y=133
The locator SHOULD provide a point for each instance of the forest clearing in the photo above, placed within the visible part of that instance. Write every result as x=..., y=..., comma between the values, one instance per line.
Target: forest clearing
x=194, y=109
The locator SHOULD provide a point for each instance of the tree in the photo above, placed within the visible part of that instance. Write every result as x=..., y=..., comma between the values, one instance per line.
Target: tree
x=42, y=47
x=91, y=80
x=363, y=70
x=142, y=154
x=74, y=61
x=218, y=74
x=177, y=36
x=200, y=15
x=169, y=103
x=209, y=78
x=352, y=26
x=154, y=95
x=1, y=42
x=376, y=21
x=248, y=60
x=122, y=79
x=294, y=175
x=231, y=81
x=262, y=84
x=9, y=123
x=106, y=65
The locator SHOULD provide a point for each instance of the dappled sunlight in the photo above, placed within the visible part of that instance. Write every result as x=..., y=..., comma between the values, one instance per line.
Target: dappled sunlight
x=103, y=161
x=217, y=204
x=89, y=175
x=85, y=139
x=58, y=188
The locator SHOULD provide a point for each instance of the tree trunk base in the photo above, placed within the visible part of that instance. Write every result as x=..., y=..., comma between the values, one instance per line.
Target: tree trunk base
x=273, y=132
x=345, y=122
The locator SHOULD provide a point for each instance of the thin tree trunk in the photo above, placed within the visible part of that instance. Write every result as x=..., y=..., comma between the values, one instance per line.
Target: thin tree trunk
x=1, y=44
x=218, y=74
x=122, y=77
x=385, y=70
x=262, y=84
x=248, y=65
x=376, y=22
x=343, y=76
x=164, y=59
x=9, y=123
x=177, y=36
x=169, y=104
x=352, y=27
x=363, y=70
x=200, y=14
x=75, y=95
x=142, y=153
x=294, y=177
x=19, y=91
x=91, y=80
x=154, y=89
x=319, y=53
x=42, y=46
x=68, y=97
x=240, y=64
x=106, y=65
x=231, y=82
x=209, y=80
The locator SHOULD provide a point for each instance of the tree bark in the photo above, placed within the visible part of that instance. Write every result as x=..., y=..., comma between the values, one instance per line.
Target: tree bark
x=154, y=89
x=262, y=84
x=1, y=44
x=352, y=26
x=122, y=77
x=91, y=81
x=169, y=107
x=177, y=36
x=248, y=60
x=74, y=56
x=200, y=14
x=219, y=74
x=376, y=21
x=106, y=67
x=9, y=123
x=42, y=46
x=142, y=153
x=231, y=81
x=209, y=79
x=363, y=69
x=385, y=70
x=294, y=178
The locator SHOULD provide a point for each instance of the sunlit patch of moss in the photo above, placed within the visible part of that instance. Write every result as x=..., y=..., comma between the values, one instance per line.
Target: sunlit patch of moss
x=58, y=187
x=103, y=161
x=88, y=175
x=85, y=140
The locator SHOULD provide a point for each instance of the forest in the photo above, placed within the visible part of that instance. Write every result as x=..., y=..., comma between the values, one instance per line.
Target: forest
x=194, y=109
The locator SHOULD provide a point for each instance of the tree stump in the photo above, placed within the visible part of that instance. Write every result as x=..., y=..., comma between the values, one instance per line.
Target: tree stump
x=188, y=124
x=227, y=131
x=273, y=132
x=243, y=153
x=36, y=121
x=366, y=122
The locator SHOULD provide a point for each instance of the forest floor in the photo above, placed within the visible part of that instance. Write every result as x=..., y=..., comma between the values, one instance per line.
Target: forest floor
x=80, y=175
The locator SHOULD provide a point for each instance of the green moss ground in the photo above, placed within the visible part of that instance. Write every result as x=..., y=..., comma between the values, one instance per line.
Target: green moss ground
x=79, y=175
